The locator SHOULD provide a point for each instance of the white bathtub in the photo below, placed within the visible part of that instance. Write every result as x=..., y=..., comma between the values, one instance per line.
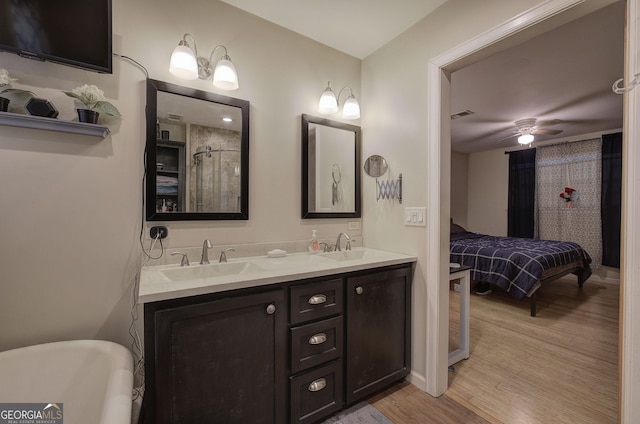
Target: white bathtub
x=93, y=379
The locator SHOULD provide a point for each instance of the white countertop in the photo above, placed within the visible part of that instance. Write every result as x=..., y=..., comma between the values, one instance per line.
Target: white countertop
x=164, y=282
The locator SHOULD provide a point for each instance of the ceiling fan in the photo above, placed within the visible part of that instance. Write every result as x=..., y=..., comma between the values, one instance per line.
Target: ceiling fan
x=526, y=128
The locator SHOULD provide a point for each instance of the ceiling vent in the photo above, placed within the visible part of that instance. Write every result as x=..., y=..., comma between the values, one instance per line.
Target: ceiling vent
x=175, y=117
x=462, y=114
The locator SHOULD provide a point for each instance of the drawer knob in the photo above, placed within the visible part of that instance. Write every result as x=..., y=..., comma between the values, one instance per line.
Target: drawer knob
x=317, y=339
x=318, y=385
x=317, y=299
x=359, y=290
x=271, y=309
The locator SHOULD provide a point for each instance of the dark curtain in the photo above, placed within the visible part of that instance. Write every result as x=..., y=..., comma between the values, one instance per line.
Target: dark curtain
x=611, y=198
x=522, y=190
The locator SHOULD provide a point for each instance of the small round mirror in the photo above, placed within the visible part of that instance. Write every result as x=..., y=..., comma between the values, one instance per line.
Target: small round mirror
x=375, y=166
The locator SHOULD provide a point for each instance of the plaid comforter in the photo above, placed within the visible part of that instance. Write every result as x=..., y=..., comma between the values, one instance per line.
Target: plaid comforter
x=514, y=264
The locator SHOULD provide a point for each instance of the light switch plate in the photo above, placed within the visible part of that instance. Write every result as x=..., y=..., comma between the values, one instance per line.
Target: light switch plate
x=415, y=217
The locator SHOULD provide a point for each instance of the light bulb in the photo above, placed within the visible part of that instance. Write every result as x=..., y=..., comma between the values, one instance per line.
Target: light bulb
x=225, y=75
x=183, y=63
x=525, y=138
x=328, y=103
x=351, y=108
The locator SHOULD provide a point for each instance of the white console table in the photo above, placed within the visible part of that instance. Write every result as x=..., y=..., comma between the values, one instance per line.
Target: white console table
x=463, y=274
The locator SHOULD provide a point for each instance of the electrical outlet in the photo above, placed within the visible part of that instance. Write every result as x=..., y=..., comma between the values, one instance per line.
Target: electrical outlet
x=159, y=231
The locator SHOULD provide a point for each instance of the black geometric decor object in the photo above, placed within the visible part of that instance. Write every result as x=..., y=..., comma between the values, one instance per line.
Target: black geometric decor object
x=41, y=107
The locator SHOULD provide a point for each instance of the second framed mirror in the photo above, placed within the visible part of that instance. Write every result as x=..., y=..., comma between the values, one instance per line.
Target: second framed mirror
x=330, y=169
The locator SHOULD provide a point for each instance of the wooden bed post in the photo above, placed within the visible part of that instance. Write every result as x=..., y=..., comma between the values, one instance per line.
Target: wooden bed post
x=532, y=302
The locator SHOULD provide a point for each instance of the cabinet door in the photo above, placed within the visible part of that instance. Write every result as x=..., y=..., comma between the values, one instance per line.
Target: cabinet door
x=222, y=361
x=378, y=331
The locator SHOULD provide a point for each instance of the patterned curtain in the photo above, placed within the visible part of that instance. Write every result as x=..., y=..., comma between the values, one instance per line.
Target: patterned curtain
x=568, y=191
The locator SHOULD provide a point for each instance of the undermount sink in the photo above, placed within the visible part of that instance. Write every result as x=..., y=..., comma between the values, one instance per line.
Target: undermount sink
x=347, y=255
x=196, y=272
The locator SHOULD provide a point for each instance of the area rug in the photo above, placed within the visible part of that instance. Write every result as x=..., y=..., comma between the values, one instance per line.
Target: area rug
x=360, y=413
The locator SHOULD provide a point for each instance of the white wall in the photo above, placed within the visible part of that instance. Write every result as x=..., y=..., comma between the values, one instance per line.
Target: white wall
x=72, y=208
x=459, y=187
x=488, y=188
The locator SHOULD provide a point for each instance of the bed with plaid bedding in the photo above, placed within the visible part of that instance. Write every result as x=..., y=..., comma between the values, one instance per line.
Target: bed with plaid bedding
x=517, y=265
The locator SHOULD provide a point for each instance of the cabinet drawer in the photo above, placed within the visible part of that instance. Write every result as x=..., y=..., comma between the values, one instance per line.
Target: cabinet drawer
x=316, y=343
x=316, y=300
x=316, y=394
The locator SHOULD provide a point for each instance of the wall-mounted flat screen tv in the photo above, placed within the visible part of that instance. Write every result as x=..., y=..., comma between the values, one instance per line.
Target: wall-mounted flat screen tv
x=72, y=32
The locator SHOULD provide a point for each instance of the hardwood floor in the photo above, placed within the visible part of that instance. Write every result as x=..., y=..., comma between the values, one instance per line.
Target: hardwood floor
x=559, y=367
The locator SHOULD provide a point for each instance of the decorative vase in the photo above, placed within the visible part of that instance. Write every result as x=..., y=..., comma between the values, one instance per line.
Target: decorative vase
x=4, y=104
x=88, y=116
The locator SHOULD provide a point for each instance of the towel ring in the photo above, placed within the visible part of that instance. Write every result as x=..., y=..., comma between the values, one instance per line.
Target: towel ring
x=333, y=173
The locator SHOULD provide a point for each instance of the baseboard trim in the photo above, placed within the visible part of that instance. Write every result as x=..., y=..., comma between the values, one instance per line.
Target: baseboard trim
x=417, y=380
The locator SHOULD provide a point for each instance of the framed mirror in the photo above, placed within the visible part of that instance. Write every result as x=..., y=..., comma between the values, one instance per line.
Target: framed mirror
x=330, y=169
x=197, y=155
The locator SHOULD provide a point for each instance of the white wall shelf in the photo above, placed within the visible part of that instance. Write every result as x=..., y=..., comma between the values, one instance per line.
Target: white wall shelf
x=52, y=124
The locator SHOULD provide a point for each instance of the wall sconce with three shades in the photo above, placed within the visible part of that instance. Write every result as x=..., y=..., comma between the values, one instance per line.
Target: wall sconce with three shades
x=330, y=104
x=186, y=64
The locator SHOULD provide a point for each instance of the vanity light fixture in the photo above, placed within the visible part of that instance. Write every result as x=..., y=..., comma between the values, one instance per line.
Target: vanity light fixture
x=329, y=103
x=186, y=64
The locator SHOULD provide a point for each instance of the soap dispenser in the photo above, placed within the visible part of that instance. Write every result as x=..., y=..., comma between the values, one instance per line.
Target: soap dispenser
x=314, y=246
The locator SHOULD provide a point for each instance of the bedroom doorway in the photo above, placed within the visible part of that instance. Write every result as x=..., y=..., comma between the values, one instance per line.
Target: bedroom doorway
x=439, y=162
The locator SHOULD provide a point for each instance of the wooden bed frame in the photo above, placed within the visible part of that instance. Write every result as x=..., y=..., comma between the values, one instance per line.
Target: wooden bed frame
x=582, y=274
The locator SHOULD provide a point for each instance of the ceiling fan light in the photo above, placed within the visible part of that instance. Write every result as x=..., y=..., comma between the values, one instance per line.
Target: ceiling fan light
x=525, y=139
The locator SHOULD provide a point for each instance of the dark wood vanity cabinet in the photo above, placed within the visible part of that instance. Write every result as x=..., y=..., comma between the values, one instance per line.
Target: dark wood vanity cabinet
x=217, y=361
x=294, y=352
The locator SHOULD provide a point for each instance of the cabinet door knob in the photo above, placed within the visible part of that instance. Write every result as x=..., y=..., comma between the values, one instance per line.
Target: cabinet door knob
x=317, y=299
x=317, y=339
x=271, y=309
x=317, y=385
x=359, y=290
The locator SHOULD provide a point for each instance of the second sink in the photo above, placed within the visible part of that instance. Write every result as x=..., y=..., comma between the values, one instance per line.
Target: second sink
x=347, y=255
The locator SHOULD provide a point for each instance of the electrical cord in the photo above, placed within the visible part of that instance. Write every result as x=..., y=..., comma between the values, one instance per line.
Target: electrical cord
x=136, y=344
x=146, y=73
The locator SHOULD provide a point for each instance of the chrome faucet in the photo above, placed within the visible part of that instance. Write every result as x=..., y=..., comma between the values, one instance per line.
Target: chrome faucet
x=347, y=238
x=204, y=259
x=223, y=254
x=184, y=261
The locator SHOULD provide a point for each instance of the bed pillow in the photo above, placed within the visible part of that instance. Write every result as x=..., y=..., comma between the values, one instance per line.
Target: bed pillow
x=455, y=229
